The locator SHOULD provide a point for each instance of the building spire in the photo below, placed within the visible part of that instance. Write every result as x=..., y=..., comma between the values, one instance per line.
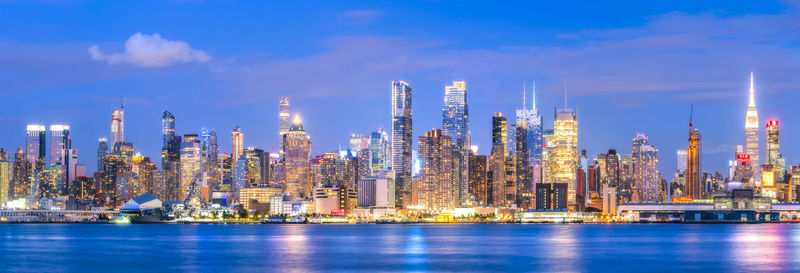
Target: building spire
x=752, y=91
x=533, y=106
x=523, y=95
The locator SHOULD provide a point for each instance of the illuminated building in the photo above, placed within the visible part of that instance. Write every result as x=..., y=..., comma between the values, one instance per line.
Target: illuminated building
x=83, y=190
x=190, y=164
x=510, y=186
x=256, y=195
x=48, y=181
x=767, y=176
x=438, y=185
x=522, y=166
x=297, y=149
x=118, y=125
x=497, y=159
x=751, y=129
x=59, y=141
x=645, y=170
x=35, y=146
x=5, y=178
x=401, y=141
x=693, y=187
x=167, y=128
x=115, y=170
x=336, y=200
x=358, y=142
x=532, y=140
x=283, y=116
x=794, y=184
x=455, y=124
x=379, y=151
x=102, y=151
x=238, y=142
x=774, y=156
x=170, y=164
x=22, y=181
x=564, y=157
x=612, y=168
x=478, y=183
x=682, y=156
x=375, y=191
x=609, y=199
x=145, y=174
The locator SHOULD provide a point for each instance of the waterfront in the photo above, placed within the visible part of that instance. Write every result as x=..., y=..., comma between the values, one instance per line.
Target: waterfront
x=369, y=248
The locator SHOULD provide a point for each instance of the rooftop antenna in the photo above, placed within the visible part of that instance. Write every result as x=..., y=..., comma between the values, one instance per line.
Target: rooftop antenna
x=124, y=101
x=533, y=107
x=523, y=95
x=691, y=114
x=565, y=92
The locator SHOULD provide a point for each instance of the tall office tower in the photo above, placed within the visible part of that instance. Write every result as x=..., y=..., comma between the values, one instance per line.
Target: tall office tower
x=564, y=157
x=438, y=184
x=170, y=164
x=297, y=149
x=682, y=160
x=583, y=196
x=284, y=116
x=497, y=160
x=379, y=151
x=190, y=164
x=59, y=141
x=751, y=131
x=478, y=180
x=48, y=181
x=209, y=147
x=102, y=151
x=167, y=128
x=401, y=142
x=645, y=170
x=36, y=147
x=774, y=156
x=22, y=180
x=533, y=122
x=238, y=142
x=69, y=169
x=118, y=125
x=116, y=170
x=524, y=179
x=144, y=182
x=693, y=188
x=612, y=164
x=455, y=124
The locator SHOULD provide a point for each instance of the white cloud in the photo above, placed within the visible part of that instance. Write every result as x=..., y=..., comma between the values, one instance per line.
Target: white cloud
x=152, y=51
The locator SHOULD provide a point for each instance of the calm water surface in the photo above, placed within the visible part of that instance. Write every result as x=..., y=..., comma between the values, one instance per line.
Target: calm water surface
x=370, y=248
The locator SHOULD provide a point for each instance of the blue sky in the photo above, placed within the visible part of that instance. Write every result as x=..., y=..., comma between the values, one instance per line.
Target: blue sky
x=629, y=67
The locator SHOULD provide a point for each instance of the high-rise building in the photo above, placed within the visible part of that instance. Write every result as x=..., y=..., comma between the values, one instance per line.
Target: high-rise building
x=297, y=149
x=190, y=163
x=5, y=178
x=478, y=180
x=167, y=128
x=438, y=187
x=693, y=186
x=238, y=142
x=497, y=159
x=35, y=144
x=22, y=179
x=102, y=151
x=455, y=124
x=682, y=156
x=751, y=130
x=612, y=163
x=774, y=156
x=284, y=116
x=401, y=142
x=533, y=124
x=379, y=150
x=523, y=168
x=118, y=125
x=564, y=157
x=645, y=170
x=59, y=142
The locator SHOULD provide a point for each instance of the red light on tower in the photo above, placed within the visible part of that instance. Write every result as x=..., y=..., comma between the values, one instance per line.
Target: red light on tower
x=772, y=123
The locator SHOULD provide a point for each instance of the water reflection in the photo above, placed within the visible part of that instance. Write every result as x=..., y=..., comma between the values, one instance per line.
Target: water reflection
x=416, y=250
x=760, y=247
x=294, y=248
x=562, y=245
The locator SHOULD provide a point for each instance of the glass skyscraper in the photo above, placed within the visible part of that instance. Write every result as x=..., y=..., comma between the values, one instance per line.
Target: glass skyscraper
x=455, y=124
x=401, y=142
x=35, y=146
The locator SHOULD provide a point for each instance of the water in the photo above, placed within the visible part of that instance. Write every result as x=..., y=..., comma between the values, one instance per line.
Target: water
x=370, y=248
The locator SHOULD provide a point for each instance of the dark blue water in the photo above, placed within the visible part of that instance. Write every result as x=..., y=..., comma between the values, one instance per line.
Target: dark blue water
x=369, y=248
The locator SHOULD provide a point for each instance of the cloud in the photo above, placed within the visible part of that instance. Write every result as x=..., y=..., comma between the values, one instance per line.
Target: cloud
x=360, y=16
x=151, y=51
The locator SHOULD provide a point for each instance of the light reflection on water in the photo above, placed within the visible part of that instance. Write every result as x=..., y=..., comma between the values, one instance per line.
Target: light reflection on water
x=370, y=248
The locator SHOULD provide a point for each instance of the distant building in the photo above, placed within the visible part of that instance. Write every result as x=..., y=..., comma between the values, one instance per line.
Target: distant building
x=564, y=157
x=257, y=195
x=402, y=141
x=455, y=124
x=694, y=187
x=551, y=196
x=297, y=147
x=478, y=180
x=438, y=184
x=751, y=129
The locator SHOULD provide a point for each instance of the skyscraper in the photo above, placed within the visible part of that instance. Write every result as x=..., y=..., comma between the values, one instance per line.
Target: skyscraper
x=645, y=170
x=455, y=123
x=22, y=180
x=694, y=187
x=118, y=125
x=774, y=156
x=379, y=151
x=190, y=163
x=102, y=151
x=167, y=128
x=478, y=187
x=438, y=187
x=401, y=142
x=59, y=141
x=35, y=146
x=564, y=157
x=297, y=149
x=751, y=131
x=497, y=159
x=238, y=142
x=284, y=116
x=533, y=123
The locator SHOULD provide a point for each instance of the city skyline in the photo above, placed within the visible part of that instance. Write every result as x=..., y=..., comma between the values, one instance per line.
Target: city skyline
x=608, y=119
